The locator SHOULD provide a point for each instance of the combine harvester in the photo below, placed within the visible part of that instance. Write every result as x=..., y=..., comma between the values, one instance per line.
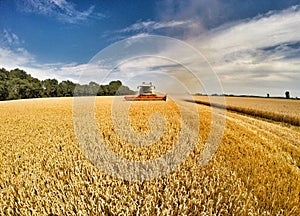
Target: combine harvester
x=146, y=93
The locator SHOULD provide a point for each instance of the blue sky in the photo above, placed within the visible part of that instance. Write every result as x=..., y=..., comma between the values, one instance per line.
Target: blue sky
x=253, y=46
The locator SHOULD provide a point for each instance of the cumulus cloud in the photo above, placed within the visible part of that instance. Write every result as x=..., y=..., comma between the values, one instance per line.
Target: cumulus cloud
x=60, y=9
x=260, y=32
x=11, y=58
x=254, y=54
x=251, y=56
x=12, y=54
x=203, y=13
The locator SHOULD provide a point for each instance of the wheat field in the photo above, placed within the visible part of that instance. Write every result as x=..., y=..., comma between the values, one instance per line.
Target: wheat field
x=277, y=109
x=44, y=172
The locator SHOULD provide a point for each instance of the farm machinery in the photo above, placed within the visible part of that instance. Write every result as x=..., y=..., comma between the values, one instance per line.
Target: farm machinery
x=146, y=93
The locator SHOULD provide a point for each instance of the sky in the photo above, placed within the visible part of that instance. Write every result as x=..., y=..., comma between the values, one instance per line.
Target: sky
x=252, y=47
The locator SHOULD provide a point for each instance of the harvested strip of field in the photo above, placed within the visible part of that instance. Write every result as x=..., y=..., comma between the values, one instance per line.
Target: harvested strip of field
x=282, y=110
x=43, y=171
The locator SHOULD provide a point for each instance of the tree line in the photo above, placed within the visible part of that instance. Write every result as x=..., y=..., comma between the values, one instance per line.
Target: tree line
x=17, y=84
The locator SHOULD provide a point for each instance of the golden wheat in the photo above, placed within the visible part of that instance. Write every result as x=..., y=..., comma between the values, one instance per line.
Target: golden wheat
x=281, y=110
x=43, y=171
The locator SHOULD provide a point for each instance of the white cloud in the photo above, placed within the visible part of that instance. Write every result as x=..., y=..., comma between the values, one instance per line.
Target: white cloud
x=21, y=58
x=12, y=58
x=8, y=38
x=13, y=55
x=263, y=31
x=150, y=26
x=254, y=54
x=60, y=9
x=202, y=12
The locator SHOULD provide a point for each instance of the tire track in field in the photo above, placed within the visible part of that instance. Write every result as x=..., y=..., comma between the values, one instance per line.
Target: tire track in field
x=280, y=140
x=277, y=139
x=278, y=130
x=253, y=112
x=264, y=159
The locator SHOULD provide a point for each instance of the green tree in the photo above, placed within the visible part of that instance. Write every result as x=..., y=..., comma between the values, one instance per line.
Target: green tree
x=105, y=90
x=82, y=90
x=114, y=86
x=100, y=91
x=93, y=88
x=50, y=87
x=3, y=74
x=14, y=86
x=287, y=95
x=124, y=90
x=17, y=73
x=3, y=84
x=20, y=89
x=17, y=84
x=36, y=88
x=3, y=90
x=24, y=89
x=21, y=85
x=66, y=89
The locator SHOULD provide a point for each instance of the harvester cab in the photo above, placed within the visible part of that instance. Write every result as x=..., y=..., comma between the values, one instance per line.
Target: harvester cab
x=146, y=89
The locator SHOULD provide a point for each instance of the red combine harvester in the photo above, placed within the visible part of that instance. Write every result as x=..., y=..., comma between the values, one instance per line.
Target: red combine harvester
x=146, y=93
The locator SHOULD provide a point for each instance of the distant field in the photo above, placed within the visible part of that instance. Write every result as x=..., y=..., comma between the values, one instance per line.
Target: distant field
x=256, y=170
x=272, y=108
